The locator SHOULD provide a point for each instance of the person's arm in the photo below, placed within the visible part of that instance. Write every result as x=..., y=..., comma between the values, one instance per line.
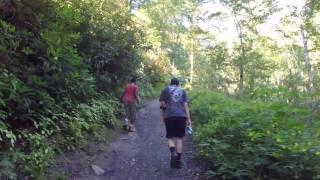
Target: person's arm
x=162, y=99
x=162, y=104
x=121, y=100
x=136, y=95
x=186, y=107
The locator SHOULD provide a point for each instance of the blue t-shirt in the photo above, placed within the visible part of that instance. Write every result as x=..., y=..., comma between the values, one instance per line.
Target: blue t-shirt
x=174, y=97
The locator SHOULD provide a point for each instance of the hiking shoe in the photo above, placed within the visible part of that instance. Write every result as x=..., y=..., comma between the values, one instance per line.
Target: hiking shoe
x=174, y=162
x=125, y=127
x=132, y=129
x=179, y=164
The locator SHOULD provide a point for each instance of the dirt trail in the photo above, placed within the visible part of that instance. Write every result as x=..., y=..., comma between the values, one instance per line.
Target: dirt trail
x=142, y=155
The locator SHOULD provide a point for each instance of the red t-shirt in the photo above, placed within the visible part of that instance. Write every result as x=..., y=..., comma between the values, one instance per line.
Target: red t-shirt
x=129, y=95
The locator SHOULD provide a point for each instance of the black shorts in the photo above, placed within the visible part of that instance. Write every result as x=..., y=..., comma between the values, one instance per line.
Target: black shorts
x=175, y=127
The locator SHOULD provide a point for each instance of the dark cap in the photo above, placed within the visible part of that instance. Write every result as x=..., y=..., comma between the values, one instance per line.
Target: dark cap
x=133, y=80
x=175, y=81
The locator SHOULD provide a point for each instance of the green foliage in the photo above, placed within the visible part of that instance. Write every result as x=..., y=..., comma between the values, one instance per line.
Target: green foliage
x=148, y=88
x=250, y=139
x=40, y=154
x=211, y=69
x=7, y=163
x=146, y=91
x=62, y=63
x=275, y=94
x=87, y=118
x=102, y=111
x=286, y=97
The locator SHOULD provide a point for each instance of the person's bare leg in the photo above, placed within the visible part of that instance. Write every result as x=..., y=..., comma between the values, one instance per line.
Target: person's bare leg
x=179, y=145
x=172, y=148
x=162, y=116
x=132, y=117
x=171, y=143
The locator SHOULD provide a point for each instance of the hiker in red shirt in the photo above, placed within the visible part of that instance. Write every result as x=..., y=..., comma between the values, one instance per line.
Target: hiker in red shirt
x=130, y=99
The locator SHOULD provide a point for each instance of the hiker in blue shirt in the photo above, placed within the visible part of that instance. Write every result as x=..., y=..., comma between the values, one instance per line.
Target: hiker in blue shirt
x=175, y=110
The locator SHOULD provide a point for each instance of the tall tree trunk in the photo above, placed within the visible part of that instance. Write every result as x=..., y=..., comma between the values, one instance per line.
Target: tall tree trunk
x=191, y=55
x=130, y=5
x=241, y=63
x=241, y=73
x=307, y=58
x=243, y=53
x=191, y=58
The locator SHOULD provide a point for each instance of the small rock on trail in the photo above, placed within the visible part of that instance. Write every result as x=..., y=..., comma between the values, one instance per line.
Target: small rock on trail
x=97, y=170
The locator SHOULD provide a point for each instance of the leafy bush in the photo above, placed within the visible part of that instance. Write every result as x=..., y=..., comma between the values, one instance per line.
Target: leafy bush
x=86, y=118
x=102, y=110
x=40, y=155
x=287, y=97
x=7, y=163
x=274, y=94
x=60, y=63
x=249, y=139
x=146, y=91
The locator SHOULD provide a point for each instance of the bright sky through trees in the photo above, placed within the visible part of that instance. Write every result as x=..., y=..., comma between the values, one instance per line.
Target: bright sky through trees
x=225, y=30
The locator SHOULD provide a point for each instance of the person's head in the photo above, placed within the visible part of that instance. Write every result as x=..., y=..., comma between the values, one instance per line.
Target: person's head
x=133, y=80
x=175, y=81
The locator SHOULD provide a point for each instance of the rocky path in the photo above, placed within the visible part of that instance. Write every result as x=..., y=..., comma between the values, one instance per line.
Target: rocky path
x=142, y=155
